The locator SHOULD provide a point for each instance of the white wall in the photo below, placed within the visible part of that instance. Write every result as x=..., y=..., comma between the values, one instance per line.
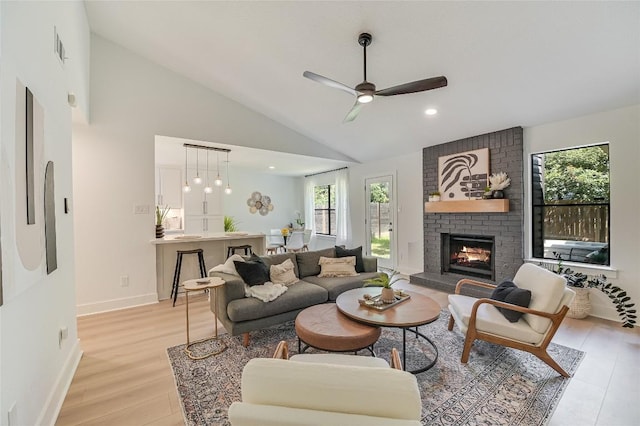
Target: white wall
x=407, y=175
x=35, y=372
x=287, y=196
x=621, y=128
x=132, y=100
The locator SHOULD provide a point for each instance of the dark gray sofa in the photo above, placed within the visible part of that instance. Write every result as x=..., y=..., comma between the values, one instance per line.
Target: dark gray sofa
x=240, y=315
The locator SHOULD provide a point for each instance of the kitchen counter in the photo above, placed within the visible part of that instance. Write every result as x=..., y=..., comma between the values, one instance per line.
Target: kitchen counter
x=214, y=246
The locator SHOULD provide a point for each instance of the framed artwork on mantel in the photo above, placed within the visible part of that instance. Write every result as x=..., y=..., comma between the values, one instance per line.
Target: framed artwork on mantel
x=463, y=176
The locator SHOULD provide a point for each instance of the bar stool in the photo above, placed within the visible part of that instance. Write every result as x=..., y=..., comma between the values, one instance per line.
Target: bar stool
x=232, y=250
x=176, y=273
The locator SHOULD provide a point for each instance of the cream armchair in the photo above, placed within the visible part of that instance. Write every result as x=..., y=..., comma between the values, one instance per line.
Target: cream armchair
x=480, y=318
x=326, y=389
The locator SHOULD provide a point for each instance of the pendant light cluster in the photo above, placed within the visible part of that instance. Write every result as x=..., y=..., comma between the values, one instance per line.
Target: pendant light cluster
x=197, y=180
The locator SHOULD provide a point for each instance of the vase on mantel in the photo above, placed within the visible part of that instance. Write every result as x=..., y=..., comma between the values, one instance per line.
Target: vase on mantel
x=159, y=231
x=499, y=194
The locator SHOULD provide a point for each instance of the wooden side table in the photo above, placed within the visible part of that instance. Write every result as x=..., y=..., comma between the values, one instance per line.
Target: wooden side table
x=200, y=284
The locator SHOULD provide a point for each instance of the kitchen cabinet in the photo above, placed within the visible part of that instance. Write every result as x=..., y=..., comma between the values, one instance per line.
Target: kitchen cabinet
x=169, y=187
x=203, y=224
x=203, y=212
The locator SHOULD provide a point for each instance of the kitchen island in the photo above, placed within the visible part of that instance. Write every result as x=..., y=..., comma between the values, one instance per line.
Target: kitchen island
x=214, y=246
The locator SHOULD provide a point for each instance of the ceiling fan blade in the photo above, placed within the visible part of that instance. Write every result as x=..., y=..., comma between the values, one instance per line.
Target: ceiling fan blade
x=355, y=110
x=328, y=82
x=414, y=86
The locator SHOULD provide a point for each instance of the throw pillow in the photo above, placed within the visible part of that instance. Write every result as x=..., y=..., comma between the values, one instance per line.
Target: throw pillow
x=308, y=261
x=252, y=272
x=508, y=292
x=337, y=267
x=283, y=273
x=228, y=267
x=357, y=252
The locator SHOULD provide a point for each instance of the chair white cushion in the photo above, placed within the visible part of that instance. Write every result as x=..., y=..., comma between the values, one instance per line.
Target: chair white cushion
x=546, y=289
x=334, y=388
x=244, y=414
x=490, y=320
x=341, y=359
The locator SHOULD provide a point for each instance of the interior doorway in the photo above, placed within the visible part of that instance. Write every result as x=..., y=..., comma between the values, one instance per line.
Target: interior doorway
x=380, y=219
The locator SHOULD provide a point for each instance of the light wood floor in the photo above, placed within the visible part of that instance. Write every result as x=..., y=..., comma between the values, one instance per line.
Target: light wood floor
x=124, y=377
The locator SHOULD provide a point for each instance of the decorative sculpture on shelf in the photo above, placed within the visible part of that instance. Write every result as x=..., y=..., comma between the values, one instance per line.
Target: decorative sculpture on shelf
x=259, y=203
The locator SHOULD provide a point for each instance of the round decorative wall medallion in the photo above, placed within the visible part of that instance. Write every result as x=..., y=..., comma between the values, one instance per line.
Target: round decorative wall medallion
x=259, y=203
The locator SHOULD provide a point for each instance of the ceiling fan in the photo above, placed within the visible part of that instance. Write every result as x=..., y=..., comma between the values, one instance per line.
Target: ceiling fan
x=365, y=91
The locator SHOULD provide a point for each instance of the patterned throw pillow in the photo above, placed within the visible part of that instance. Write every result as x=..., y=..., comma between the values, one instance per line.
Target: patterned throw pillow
x=357, y=252
x=337, y=267
x=283, y=273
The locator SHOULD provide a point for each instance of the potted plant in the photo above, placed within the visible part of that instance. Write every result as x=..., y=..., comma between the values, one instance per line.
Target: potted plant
x=230, y=224
x=299, y=220
x=580, y=307
x=434, y=196
x=498, y=182
x=161, y=215
x=386, y=281
x=488, y=193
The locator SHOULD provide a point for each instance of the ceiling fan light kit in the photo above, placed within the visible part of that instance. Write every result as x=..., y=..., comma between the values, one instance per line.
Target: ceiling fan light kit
x=366, y=91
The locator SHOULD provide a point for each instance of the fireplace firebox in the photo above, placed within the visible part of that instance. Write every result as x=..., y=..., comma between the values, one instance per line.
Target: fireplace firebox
x=470, y=255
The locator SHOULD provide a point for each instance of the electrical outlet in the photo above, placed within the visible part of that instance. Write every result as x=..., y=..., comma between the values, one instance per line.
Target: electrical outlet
x=124, y=281
x=141, y=209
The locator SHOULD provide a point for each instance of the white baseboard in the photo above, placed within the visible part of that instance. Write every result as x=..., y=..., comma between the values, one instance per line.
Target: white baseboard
x=117, y=304
x=51, y=409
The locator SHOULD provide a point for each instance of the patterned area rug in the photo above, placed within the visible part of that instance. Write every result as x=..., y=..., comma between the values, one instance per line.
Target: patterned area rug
x=499, y=386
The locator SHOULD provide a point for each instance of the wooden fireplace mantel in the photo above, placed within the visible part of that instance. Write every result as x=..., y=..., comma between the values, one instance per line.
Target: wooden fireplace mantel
x=467, y=206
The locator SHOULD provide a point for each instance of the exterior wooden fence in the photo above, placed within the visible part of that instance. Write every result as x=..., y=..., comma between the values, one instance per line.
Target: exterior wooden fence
x=577, y=222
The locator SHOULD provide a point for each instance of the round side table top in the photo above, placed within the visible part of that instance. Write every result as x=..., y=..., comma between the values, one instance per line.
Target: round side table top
x=417, y=310
x=203, y=283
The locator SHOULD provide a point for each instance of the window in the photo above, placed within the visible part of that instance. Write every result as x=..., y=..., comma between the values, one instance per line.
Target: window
x=325, y=211
x=570, y=204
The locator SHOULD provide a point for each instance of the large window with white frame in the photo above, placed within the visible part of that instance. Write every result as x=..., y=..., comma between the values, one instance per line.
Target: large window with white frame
x=570, y=204
x=325, y=209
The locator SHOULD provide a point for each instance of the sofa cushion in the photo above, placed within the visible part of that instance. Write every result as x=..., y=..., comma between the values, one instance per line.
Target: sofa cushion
x=508, y=292
x=277, y=259
x=490, y=320
x=546, y=289
x=308, y=261
x=336, y=286
x=252, y=272
x=337, y=267
x=357, y=252
x=298, y=296
x=283, y=273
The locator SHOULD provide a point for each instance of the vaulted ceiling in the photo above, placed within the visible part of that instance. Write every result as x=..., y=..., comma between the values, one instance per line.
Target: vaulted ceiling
x=507, y=63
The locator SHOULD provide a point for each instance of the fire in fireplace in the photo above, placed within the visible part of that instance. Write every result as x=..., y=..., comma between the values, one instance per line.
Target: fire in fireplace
x=468, y=255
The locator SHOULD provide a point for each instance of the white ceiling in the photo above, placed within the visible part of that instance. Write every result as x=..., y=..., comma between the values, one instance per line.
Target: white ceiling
x=508, y=63
x=171, y=151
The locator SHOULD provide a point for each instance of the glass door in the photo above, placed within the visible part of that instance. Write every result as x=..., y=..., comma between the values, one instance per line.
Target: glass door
x=379, y=220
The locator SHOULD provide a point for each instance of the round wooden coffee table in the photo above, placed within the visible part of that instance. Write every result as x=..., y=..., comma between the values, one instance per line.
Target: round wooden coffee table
x=323, y=327
x=408, y=315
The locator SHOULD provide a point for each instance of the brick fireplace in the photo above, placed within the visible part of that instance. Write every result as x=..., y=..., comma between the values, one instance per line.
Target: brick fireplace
x=503, y=230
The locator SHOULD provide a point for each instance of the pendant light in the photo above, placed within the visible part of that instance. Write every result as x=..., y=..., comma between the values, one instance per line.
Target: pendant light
x=227, y=190
x=186, y=187
x=218, y=181
x=197, y=179
x=207, y=188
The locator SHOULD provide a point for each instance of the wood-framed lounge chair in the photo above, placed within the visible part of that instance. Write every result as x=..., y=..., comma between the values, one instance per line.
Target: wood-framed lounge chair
x=480, y=318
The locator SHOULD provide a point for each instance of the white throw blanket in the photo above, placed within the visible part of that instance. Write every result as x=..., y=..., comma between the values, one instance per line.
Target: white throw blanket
x=265, y=292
